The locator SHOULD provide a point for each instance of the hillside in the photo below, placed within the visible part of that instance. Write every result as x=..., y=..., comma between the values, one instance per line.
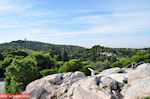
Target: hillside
x=96, y=53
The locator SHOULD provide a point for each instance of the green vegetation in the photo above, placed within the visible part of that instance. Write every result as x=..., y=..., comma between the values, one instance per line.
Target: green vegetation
x=19, y=74
x=97, y=83
x=120, y=71
x=25, y=61
x=65, y=53
x=71, y=95
x=104, y=87
x=46, y=72
x=71, y=66
x=140, y=56
x=147, y=98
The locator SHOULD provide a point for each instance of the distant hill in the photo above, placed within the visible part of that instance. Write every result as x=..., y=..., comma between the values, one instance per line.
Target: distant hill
x=38, y=46
x=96, y=53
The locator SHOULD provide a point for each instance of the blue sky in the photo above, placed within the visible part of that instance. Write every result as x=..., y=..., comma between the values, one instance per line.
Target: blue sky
x=112, y=23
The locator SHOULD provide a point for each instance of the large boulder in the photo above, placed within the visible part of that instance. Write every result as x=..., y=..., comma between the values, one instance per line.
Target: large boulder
x=109, y=84
x=84, y=91
x=110, y=71
x=53, y=86
x=77, y=74
x=143, y=70
x=137, y=89
x=138, y=85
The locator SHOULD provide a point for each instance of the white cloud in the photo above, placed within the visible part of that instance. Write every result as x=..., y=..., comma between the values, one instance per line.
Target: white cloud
x=116, y=23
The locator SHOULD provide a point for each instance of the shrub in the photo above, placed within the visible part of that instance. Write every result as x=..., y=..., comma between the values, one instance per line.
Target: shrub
x=1, y=57
x=71, y=66
x=19, y=53
x=100, y=66
x=6, y=62
x=19, y=74
x=46, y=72
x=43, y=61
x=147, y=58
x=58, y=64
x=1, y=70
x=117, y=64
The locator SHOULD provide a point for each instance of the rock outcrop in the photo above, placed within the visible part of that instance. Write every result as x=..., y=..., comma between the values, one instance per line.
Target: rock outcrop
x=109, y=84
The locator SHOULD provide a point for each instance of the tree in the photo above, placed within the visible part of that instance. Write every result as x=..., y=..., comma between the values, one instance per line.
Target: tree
x=6, y=62
x=1, y=57
x=1, y=70
x=19, y=53
x=19, y=74
x=147, y=58
x=65, y=56
x=93, y=56
x=71, y=66
x=51, y=53
x=148, y=50
x=46, y=72
x=59, y=58
x=43, y=61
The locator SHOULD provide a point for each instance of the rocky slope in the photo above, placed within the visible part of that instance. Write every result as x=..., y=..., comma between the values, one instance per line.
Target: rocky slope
x=109, y=84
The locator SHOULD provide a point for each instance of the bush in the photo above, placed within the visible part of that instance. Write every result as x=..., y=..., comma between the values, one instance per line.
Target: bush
x=43, y=61
x=19, y=53
x=147, y=58
x=19, y=74
x=1, y=70
x=59, y=64
x=1, y=57
x=140, y=56
x=100, y=66
x=6, y=62
x=117, y=64
x=46, y=72
x=71, y=66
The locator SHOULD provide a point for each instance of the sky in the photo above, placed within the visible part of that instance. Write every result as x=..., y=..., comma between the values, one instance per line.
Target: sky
x=110, y=23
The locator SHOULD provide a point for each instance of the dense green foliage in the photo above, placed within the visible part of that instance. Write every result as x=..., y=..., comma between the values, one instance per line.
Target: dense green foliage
x=147, y=98
x=99, y=66
x=20, y=73
x=43, y=61
x=67, y=52
x=46, y=72
x=140, y=56
x=71, y=66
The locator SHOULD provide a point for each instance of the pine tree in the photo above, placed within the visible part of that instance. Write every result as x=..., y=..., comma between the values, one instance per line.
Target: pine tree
x=65, y=56
x=59, y=58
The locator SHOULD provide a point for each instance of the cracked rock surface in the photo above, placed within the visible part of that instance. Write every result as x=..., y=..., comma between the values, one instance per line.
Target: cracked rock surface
x=106, y=85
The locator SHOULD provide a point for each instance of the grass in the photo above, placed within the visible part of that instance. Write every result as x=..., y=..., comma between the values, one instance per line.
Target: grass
x=104, y=87
x=120, y=71
x=71, y=95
